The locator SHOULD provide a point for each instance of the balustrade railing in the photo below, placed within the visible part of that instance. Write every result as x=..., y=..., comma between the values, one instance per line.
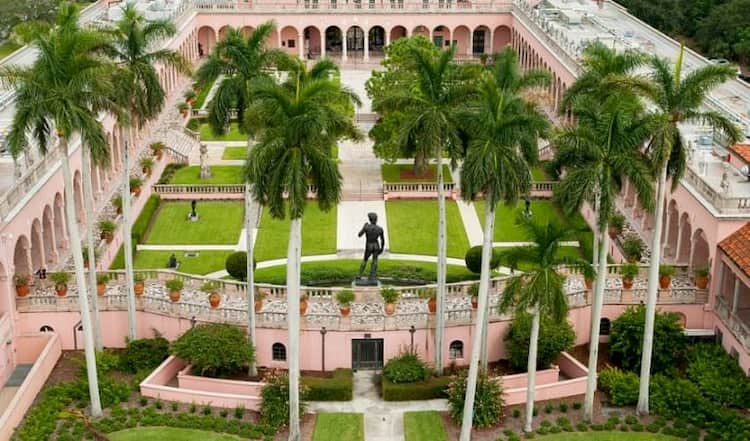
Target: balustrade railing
x=199, y=188
x=723, y=203
x=416, y=187
x=359, y=6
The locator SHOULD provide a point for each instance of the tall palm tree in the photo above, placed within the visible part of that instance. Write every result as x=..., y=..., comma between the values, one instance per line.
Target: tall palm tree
x=63, y=93
x=430, y=110
x=295, y=125
x=678, y=100
x=540, y=288
x=598, y=153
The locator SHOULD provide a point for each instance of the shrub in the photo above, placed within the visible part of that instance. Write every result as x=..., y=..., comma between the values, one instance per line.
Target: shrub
x=516, y=413
x=548, y=408
x=632, y=247
x=135, y=182
x=337, y=388
x=718, y=376
x=239, y=412
x=60, y=278
x=169, y=171
x=553, y=338
x=274, y=406
x=389, y=295
x=144, y=354
x=406, y=368
x=473, y=259
x=174, y=284
x=345, y=297
x=626, y=337
x=102, y=278
x=488, y=401
x=621, y=386
x=215, y=349
x=666, y=270
x=629, y=270
x=429, y=389
x=563, y=407
x=106, y=226
x=236, y=265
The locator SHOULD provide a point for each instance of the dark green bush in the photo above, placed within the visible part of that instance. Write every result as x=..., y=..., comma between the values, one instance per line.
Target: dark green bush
x=337, y=388
x=718, y=376
x=169, y=172
x=406, y=368
x=139, y=229
x=473, y=259
x=429, y=389
x=488, y=400
x=621, y=386
x=215, y=349
x=236, y=265
x=274, y=407
x=144, y=354
x=553, y=338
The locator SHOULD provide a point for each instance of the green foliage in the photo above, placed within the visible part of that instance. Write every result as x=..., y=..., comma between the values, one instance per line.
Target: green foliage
x=138, y=232
x=629, y=270
x=488, y=401
x=274, y=407
x=337, y=388
x=210, y=287
x=174, y=284
x=135, y=182
x=144, y=354
x=60, y=278
x=626, y=340
x=236, y=265
x=102, y=278
x=345, y=297
x=106, y=226
x=701, y=272
x=432, y=388
x=621, y=386
x=553, y=338
x=214, y=350
x=718, y=376
x=473, y=259
x=633, y=247
x=666, y=270
x=389, y=295
x=406, y=368
x=169, y=171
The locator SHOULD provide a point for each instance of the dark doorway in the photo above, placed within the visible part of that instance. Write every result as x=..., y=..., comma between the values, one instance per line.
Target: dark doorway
x=367, y=353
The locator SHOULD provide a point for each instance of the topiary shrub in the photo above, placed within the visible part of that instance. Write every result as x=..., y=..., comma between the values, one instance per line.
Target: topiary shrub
x=274, y=406
x=144, y=353
x=337, y=388
x=554, y=338
x=215, y=349
x=626, y=340
x=430, y=389
x=621, y=386
x=236, y=265
x=488, y=400
x=406, y=368
x=473, y=259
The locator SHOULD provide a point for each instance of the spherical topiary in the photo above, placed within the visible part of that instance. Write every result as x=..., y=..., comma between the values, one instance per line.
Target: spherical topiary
x=236, y=265
x=473, y=259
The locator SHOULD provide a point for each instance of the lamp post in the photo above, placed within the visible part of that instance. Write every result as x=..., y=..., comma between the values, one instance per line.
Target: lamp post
x=412, y=330
x=323, y=332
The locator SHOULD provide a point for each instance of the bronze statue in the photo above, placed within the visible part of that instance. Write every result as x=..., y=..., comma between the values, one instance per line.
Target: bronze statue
x=374, y=245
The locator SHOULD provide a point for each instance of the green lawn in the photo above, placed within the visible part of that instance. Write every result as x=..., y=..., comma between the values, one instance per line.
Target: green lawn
x=222, y=174
x=220, y=223
x=424, y=426
x=318, y=234
x=608, y=436
x=7, y=47
x=201, y=98
x=538, y=174
x=204, y=263
x=232, y=135
x=506, y=229
x=168, y=434
x=339, y=427
x=392, y=173
x=234, y=153
x=412, y=228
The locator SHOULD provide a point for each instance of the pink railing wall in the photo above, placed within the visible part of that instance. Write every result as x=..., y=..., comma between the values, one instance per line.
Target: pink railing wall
x=547, y=388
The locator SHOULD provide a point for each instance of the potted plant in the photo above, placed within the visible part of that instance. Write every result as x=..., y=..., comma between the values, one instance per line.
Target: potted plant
x=588, y=276
x=259, y=297
x=135, y=185
x=390, y=296
x=474, y=293
x=85, y=252
x=21, y=281
x=107, y=228
x=174, y=286
x=429, y=294
x=616, y=224
x=628, y=272
x=61, y=280
x=211, y=289
x=665, y=276
x=117, y=203
x=157, y=148
x=302, y=304
x=190, y=96
x=701, y=277
x=147, y=164
x=183, y=107
x=633, y=248
x=101, y=283
x=139, y=285
x=483, y=58
x=345, y=299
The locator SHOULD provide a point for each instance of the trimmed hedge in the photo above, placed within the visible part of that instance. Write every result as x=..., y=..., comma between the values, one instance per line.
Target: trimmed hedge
x=435, y=387
x=138, y=231
x=337, y=388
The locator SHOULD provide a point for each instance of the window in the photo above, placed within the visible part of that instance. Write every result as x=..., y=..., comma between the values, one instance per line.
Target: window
x=604, y=325
x=290, y=44
x=456, y=350
x=278, y=352
x=46, y=328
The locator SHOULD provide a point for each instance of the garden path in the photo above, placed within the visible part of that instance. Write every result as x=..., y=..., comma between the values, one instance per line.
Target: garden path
x=351, y=215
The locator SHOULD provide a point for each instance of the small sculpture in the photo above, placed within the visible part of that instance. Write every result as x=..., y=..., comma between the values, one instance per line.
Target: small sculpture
x=374, y=245
x=193, y=215
x=172, y=263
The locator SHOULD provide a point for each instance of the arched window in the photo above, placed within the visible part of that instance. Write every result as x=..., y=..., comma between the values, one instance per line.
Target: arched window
x=456, y=350
x=604, y=325
x=46, y=328
x=278, y=352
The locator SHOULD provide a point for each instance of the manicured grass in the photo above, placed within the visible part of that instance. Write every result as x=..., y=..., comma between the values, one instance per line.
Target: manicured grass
x=233, y=134
x=424, y=426
x=339, y=426
x=168, y=434
x=201, y=97
x=222, y=174
x=8, y=47
x=234, y=153
x=392, y=173
x=607, y=436
x=318, y=234
x=538, y=174
x=506, y=229
x=204, y=263
x=413, y=225
x=220, y=223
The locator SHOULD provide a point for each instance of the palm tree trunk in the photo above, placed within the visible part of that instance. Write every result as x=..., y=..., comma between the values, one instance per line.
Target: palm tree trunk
x=441, y=266
x=596, y=314
x=83, y=300
x=294, y=256
x=249, y=225
x=88, y=204
x=653, y=278
x=484, y=288
x=127, y=246
x=420, y=163
x=595, y=251
x=531, y=370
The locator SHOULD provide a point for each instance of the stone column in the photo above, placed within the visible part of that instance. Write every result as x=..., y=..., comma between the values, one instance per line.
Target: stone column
x=367, y=45
x=343, y=46
x=323, y=43
x=735, y=295
x=301, y=45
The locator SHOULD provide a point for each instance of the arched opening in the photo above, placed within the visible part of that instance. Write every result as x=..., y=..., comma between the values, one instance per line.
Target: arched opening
x=673, y=215
x=223, y=32
x=247, y=31
x=59, y=222
x=334, y=42
x=686, y=235
x=421, y=30
x=289, y=41
x=481, y=40
x=206, y=40
x=376, y=40
x=501, y=38
x=397, y=32
x=355, y=42
x=37, y=254
x=701, y=252
x=456, y=350
x=604, y=326
x=462, y=40
x=441, y=36
x=46, y=328
x=48, y=236
x=78, y=197
x=278, y=352
x=21, y=258
x=312, y=42
x=681, y=319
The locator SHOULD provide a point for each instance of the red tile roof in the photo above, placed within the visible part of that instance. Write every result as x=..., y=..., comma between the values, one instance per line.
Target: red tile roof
x=743, y=151
x=737, y=247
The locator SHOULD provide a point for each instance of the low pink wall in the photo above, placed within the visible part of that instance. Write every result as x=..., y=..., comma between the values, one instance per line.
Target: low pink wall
x=201, y=196
x=546, y=376
x=187, y=381
x=389, y=195
x=550, y=390
x=29, y=347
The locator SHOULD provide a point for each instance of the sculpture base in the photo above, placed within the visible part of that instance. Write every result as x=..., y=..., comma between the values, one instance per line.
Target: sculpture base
x=192, y=218
x=364, y=281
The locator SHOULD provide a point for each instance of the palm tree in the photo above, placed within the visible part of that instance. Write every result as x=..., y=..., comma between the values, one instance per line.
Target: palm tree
x=295, y=126
x=678, y=100
x=598, y=153
x=63, y=93
x=141, y=94
x=430, y=110
x=540, y=288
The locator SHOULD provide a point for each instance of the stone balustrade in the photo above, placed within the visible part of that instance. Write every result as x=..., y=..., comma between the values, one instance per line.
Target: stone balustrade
x=739, y=328
x=723, y=203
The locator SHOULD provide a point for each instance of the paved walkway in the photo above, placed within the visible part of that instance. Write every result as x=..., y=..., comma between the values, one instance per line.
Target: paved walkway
x=351, y=215
x=473, y=227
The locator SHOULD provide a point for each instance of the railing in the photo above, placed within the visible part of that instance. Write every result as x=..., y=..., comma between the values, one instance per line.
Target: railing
x=5, y=329
x=739, y=328
x=543, y=186
x=363, y=6
x=416, y=187
x=199, y=188
x=723, y=204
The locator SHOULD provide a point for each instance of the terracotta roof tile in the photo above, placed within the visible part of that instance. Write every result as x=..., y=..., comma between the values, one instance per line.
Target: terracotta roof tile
x=737, y=247
x=743, y=151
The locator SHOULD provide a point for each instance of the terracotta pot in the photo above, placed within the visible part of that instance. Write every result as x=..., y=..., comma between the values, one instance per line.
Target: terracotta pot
x=108, y=236
x=474, y=302
x=665, y=282
x=258, y=305
x=136, y=191
x=627, y=283
x=302, y=307
x=158, y=154
x=174, y=296
x=701, y=282
x=589, y=283
x=214, y=299
x=345, y=310
x=432, y=305
x=101, y=288
x=614, y=232
x=138, y=288
x=390, y=308
x=23, y=290
x=62, y=290
x=147, y=171
x=119, y=210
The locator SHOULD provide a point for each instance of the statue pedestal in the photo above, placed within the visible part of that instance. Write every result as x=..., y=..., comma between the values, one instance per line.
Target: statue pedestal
x=364, y=281
x=366, y=294
x=192, y=218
